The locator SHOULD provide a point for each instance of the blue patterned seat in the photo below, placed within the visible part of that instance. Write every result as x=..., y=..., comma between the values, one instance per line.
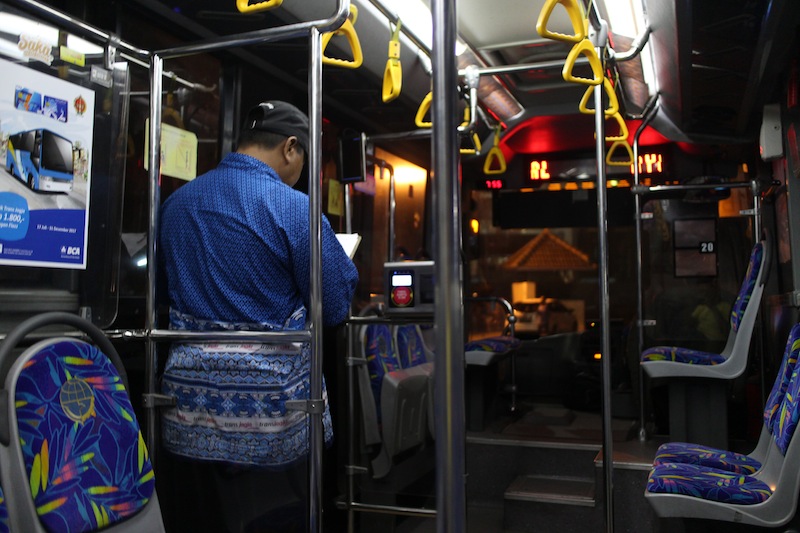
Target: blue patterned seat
x=673, y=361
x=698, y=380
x=683, y=452
x=78, y=459
x=766, y=497
x=3, y=513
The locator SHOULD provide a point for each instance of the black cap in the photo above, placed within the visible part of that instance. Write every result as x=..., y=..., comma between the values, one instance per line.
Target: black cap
x=281, y=118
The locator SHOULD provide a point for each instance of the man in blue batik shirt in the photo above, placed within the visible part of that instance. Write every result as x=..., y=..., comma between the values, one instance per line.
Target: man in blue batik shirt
x=235, y=250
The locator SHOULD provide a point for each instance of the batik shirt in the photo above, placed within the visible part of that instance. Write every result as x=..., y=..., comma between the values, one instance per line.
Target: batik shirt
x=235, y=247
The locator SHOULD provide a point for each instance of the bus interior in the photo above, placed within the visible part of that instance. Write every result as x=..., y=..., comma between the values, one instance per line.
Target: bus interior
x=528, y=264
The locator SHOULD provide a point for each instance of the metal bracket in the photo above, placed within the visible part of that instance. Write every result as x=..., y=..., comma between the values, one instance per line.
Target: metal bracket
x=353, y=470
x=355, y=361
x=748, y=212
x=314, y=407
x=158, y=400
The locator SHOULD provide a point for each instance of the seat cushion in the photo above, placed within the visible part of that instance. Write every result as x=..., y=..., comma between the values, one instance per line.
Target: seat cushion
x=499, y=344
x=707, y=483
x=687, y=453
x=681, y=355
x=86, y=460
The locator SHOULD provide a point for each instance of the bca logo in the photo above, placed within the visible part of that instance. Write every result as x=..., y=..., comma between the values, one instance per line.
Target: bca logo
x=71, y=250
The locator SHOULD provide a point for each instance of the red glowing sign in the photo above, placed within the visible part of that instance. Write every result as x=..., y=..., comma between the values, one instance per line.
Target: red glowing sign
x=649, y=164
x=494, y=184
x=539, y=171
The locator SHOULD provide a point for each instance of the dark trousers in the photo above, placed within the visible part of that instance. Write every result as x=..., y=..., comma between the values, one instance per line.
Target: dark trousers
x=201, y=497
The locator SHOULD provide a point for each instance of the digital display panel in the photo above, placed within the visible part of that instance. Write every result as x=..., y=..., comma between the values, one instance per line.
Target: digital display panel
x=535, y=171
x=402, y=280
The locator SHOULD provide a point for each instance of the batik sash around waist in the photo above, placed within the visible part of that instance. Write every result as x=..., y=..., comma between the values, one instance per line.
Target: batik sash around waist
x=231, y=397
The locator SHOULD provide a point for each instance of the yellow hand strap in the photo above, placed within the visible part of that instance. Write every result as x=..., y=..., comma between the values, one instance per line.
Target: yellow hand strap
x=586, y=48
x=476, y=145
x=580, y=24
x=623, y=129
x=424, y=107
x=244, y=6
x=348, y=30
x=610, y=156
x=393, y=74
x=613, y=101
x=495, y=154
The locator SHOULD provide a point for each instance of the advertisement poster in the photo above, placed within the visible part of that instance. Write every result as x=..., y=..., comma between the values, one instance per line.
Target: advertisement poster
x=46, y=128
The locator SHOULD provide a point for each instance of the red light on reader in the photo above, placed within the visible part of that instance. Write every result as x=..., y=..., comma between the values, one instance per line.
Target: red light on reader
x=539, y=171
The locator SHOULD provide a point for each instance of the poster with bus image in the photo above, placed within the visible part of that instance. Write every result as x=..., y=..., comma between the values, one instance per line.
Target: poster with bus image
x=46, y=131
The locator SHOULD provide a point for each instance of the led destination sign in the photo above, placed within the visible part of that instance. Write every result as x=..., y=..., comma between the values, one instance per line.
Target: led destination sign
x=536, y=172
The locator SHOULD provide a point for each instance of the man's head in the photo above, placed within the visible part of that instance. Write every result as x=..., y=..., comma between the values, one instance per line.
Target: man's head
x=276, y=133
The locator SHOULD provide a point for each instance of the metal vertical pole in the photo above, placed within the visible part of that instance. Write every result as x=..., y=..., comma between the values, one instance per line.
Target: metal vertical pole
x=602, y=237
x=449, y=320
x=315, y=293
x=151, y=318
x=392, y=214
x=651, y=110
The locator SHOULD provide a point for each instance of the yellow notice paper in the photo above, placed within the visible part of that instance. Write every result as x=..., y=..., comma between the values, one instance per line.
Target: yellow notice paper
x=335, y=198
x=178, y=152
x=72, y=56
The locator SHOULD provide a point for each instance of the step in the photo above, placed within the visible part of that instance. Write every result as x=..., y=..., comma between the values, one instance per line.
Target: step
x=544, y=504
x=552, y=489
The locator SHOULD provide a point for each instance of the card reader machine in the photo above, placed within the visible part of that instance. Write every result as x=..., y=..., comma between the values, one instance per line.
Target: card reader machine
x=409, y=287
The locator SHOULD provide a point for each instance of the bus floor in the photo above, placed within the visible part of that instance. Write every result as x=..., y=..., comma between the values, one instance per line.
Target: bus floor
x=541, y=470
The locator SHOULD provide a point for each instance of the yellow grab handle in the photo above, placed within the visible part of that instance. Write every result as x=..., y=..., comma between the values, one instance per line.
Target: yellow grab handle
x=613, y=101
x=244, y=6
x=476, y=145
x=623, y=129
x=580, y=24
x=495, y=154
x=393, y=73
x=586, y=48
x=424, y=107
x=619, y=162
x=348, y=30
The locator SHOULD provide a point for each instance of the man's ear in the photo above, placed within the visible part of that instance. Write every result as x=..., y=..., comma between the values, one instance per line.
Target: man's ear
x=290, y=144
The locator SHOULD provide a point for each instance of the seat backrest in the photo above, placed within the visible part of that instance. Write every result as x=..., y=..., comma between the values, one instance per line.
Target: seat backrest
x=379, y=350
x=745, y=308
x=72, y=456
x=411, y=348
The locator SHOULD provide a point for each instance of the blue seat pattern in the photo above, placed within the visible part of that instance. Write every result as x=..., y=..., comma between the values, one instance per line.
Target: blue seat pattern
x=410, y=346
x=682, y=452
x=746, y=290
x=707, y=483
x=3, y=513
x=499, y=344
x=381, y=357
x=74, y=419
x=697, y=357
x=688, y=453
x=681, y=355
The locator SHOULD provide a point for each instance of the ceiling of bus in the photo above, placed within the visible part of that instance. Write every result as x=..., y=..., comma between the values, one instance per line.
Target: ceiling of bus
x=717, y=62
